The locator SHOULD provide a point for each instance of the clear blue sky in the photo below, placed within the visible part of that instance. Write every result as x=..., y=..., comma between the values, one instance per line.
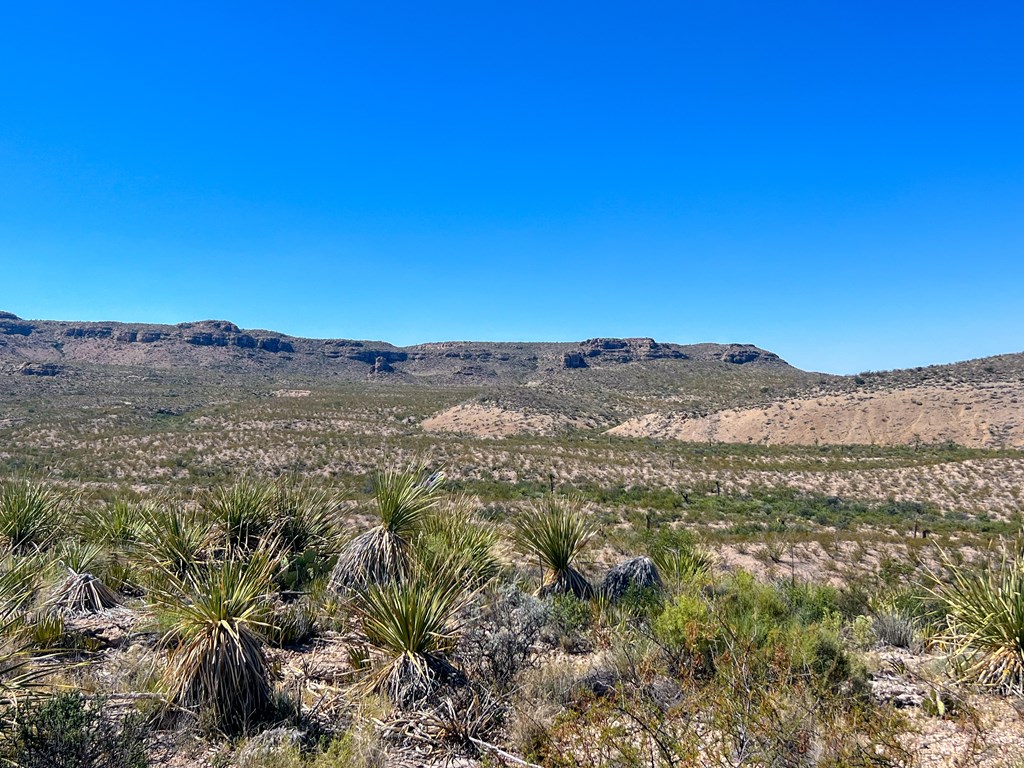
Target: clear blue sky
x=839, y=182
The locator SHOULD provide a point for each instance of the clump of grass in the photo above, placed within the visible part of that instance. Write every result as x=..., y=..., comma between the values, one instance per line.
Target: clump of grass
x=384, y=554
x=985, y=619
x=214, y=617
x=557, y=532
x=31, y=516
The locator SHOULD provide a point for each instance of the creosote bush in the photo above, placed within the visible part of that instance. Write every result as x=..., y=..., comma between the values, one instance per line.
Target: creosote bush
x=67, y=730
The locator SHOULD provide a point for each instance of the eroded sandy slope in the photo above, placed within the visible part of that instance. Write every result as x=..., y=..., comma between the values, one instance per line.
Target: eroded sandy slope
x=988, y=415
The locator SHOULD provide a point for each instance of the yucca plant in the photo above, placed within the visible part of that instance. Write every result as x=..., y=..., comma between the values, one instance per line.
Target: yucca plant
x=384, y=554
x=985, y=619
x=173, y=540
x=556, y=532
x=245, y=511
x=413, y=623
x=213, y=618
x=118, y=525
x=307, y=523
x=18, y=579
x=307, y=516
x=680, y=562
x=454, y=538
x=31, y=516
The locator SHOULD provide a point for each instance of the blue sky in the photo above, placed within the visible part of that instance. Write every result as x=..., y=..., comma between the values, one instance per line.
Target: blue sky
x=842, y=183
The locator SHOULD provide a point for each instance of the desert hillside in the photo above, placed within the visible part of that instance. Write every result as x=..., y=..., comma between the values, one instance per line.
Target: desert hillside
x=978, y=416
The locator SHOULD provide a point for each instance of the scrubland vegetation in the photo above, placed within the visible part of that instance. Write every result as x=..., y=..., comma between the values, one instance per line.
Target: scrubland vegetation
x=292, y=623
x=201, y=572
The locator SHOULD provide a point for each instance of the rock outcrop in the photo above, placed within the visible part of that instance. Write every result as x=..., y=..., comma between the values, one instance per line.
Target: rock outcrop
x=629, y=350
x=40, y=369
x=574, y=360
x=380, y=366
x=220, y=344
x=16, y=328
x=741, y=354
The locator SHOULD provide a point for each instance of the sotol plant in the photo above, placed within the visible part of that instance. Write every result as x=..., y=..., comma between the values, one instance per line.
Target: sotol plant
x=413, y=623
x=985, y=621
x=557, y=532
x=384, y=554
x=213, y=618
x=31, y=516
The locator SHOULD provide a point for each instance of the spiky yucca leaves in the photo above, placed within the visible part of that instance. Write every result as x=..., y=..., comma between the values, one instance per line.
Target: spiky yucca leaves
x=173, y=540
x=307, y=524
x=213, y=619
x=454, y=537
x=985, y=621
x=557, y=532
x=413, y=623
x=307, y=516
x=384, y=554
x=18, y=580
x=31, y=516
x=680, y=562
x=82, y=590
x=117, y=525
x=245, y=511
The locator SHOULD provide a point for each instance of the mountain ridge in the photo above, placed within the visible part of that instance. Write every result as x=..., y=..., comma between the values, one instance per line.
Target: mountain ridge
x=223, y=344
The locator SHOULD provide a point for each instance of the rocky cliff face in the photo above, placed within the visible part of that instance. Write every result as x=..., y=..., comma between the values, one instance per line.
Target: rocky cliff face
x=219, y=344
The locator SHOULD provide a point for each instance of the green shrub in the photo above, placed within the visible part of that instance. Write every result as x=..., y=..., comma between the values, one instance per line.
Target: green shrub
x=68, y=731
x=570, y=615
x=688, y=630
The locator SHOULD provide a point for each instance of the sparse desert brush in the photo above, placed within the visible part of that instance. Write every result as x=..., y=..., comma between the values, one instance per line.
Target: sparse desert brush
x=556, y=531
x=31, y=515
x=213, y=618
x=384, y=554
x=985, y=618
x=69, y=729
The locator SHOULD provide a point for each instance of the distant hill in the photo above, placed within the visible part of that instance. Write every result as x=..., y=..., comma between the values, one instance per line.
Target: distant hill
x=636, y=387
x=222, y=345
